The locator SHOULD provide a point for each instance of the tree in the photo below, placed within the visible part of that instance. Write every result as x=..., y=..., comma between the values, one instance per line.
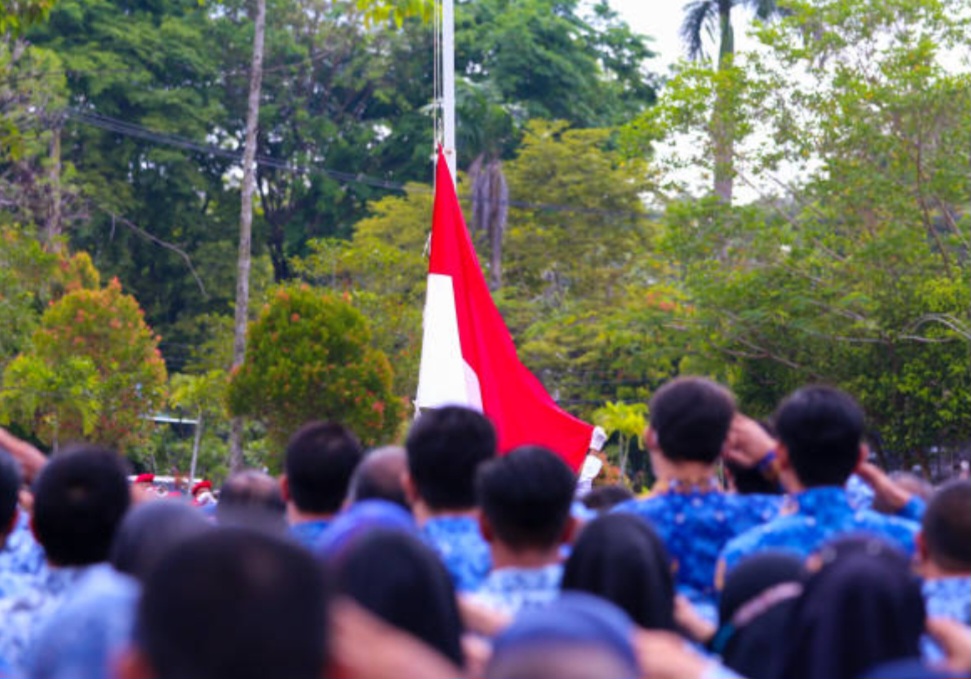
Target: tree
x=628, y=421
x=204, y=396
x=856, y=273
x=246, y=221
x=92, y=355
x=706, y=15
x=383, y=271
x=310, y=358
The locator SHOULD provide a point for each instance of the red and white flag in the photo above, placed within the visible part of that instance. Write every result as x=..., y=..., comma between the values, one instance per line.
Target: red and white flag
x=468, y=357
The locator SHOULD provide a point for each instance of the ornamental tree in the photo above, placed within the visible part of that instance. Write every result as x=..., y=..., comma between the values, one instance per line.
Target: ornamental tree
x=93, y=371
x=309, y=357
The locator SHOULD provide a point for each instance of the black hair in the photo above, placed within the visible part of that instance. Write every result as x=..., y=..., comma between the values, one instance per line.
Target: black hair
x=620, y=558
x=445, y=448
x=80, y=498
x=251, y=488
x=234, y=604
x=402, y=581
x=150, y=530
x=320, y=459
x=10, y=481
x=751, y=481
x=947, y=526
x=602, y=498
x=378, y=477
x=822, y=428
x=526, y=497
x=690, y=417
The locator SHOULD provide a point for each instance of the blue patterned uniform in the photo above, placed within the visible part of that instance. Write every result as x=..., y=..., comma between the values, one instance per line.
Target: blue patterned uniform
x=814, y=517
x=512, y=589
x=458, y=541
x=695, y=525
x=82, y=637
x=945, y=598
x=307, y=533
x=24, y=615
x=21, y=553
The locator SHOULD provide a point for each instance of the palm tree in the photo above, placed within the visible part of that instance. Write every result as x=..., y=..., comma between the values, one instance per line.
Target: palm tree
x=709, y=16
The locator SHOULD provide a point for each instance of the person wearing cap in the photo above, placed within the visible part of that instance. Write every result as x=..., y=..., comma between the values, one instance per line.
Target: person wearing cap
x=202, y=493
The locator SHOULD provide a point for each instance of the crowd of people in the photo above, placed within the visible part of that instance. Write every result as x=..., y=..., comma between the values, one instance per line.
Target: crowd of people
x=772, y=551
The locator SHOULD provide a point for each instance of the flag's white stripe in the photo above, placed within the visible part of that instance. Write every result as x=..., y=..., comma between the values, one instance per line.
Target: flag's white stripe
x=444, y=378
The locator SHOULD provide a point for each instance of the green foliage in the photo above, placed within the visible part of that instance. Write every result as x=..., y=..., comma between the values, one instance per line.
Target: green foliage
x=383, y=270
x=93, y=371
x=857, y=275
x=628, y=422
x=17, y=15
x=309, y=357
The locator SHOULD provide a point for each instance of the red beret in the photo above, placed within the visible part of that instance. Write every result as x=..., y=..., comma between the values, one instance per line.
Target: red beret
x=145, y=478
x=202, y=485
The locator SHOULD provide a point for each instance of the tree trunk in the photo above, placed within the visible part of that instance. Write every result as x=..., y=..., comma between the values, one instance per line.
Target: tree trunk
x=52, y=229
x=723, y=127
x=196, y=443
x=246, y=223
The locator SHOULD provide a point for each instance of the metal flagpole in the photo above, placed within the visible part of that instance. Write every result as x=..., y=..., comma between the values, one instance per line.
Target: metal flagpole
x=448, y=83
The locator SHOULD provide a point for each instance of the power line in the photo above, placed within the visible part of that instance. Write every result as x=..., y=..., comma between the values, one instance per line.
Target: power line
x=129, y=129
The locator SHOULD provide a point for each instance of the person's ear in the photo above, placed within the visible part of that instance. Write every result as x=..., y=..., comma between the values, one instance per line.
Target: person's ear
x=485, y=527
x=411, y=490
x=650, y=439
x=782, y=457
x=570, y=530
x=285, y=488
x=923, y=555
x=864, y=454
x=132, y=663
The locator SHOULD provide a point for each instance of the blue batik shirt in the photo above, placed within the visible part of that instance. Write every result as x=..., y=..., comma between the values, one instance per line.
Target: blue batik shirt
x=21, y=553
x=814, y=517
x=23, y=616
x=83, y=637
x=513, y=589
x=460, y=545
x=695, y=524
x=307, y=533
x=950, y=598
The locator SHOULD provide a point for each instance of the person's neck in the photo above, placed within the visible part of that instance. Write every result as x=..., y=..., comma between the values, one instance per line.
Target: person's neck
x=687, y=474
x=931, y=570
x=295, y=516
x=423, y=513
x=505, y=557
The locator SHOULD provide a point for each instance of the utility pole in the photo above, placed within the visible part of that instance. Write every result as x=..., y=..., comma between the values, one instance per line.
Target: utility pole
x=246, y=223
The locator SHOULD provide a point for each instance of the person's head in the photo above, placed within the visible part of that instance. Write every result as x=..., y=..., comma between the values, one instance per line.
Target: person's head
x=360, y=519
x=250, y=488
x=578, y=636
x=820, y=434
x=620, y=558
x=602, y=498
x=380, y=476
x=525, y=499
x=755, y=605
x=944, y=541
x=265, y=604
x=750, y=480
x=10, y=480
x=399, y=579
x=320, y=459
x=445, y=448
x=251, y=497
x=689, y=420
x=149, y=531
x=862, y=608
x=80, y=498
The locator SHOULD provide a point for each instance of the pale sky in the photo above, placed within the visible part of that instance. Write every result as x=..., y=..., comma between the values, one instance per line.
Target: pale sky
x=661, y=20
